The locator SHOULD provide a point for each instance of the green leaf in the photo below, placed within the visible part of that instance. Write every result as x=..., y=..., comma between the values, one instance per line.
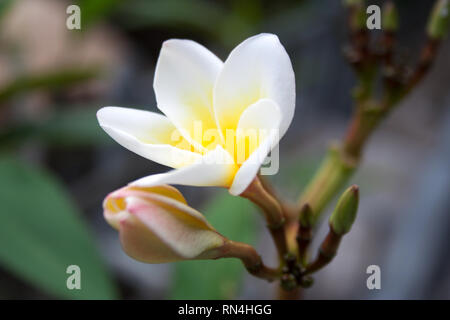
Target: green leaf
x=218, y=279
x=41, y=234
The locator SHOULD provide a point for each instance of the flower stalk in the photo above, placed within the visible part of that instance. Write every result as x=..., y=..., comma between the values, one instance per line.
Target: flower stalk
x=327, y=252
x=272, y=211
x=250, y=258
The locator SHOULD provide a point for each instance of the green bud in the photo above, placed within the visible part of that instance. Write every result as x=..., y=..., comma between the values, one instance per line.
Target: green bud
x=389, y=17
x=306, y=216
x=344, y=214
x=438, y=22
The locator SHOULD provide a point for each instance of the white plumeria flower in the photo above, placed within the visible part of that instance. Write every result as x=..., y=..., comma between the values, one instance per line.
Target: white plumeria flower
x=254, y=89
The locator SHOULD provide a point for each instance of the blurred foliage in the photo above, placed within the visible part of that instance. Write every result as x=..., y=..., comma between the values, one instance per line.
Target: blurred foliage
x=218, y=279
x=209, y=18
x=167, y=13
x=49, y=81
x=94, y=10
x=74, y=127
x=4, y=5
x=43, y=234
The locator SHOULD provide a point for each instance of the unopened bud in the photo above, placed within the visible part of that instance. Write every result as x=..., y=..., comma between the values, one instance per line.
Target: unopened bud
x=156, y=225
x=344, y=214
x=438, y=22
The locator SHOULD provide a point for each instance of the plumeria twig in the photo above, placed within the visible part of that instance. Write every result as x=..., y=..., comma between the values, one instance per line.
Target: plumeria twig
x=388, y=37
x=427, y=57
x=273, y=213
x=289, y=209
x=342, y=160
x=327, y=251
x=251, y=260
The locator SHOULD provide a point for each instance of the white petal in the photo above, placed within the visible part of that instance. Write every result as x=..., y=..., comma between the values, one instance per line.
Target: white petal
x=266, y=116
x=184, y=80
x=148, y=134
x=215, y=168
x=257, y=68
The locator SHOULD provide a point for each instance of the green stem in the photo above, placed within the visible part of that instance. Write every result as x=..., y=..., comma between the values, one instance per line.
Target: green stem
x=332, y=175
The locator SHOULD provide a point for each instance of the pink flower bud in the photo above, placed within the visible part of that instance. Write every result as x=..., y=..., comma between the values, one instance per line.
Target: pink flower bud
x=156, y=225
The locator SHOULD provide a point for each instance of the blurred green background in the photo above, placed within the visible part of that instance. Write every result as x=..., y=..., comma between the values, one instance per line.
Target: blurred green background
x=57, y=165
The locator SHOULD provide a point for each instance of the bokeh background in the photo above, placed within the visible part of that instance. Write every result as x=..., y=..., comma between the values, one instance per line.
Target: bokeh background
x=57, y=165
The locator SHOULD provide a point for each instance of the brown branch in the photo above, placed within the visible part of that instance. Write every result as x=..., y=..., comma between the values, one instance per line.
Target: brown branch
x=427, y=58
